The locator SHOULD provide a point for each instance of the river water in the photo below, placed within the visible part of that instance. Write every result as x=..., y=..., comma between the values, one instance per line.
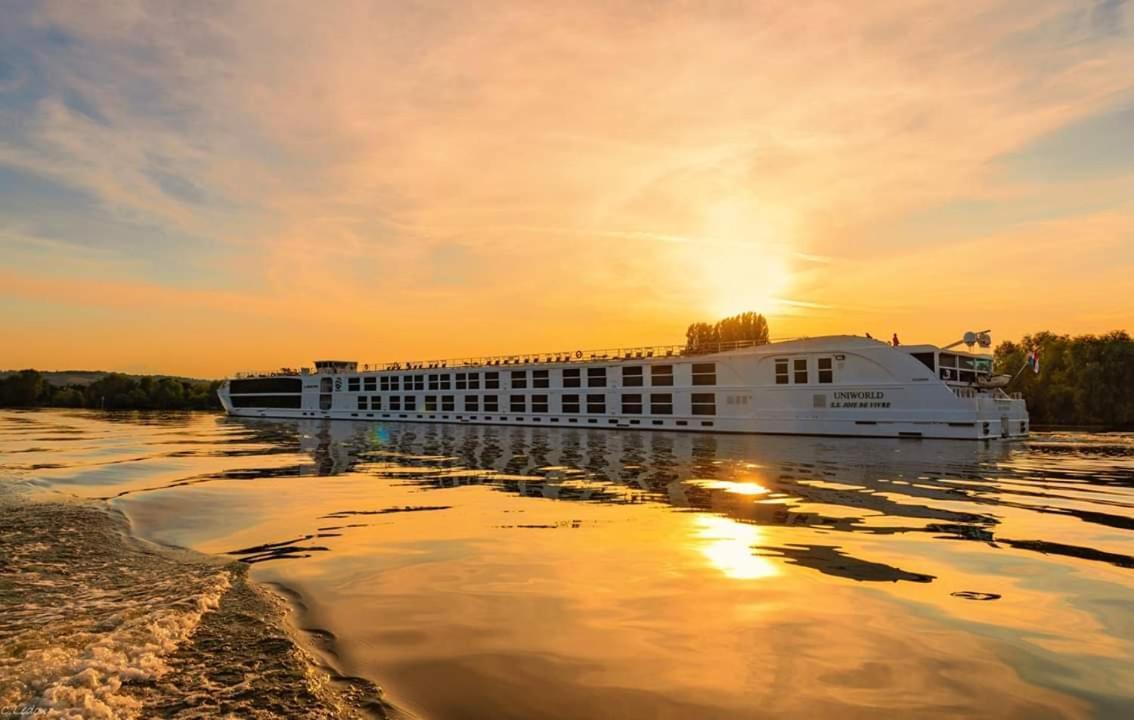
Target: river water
x=193, y=565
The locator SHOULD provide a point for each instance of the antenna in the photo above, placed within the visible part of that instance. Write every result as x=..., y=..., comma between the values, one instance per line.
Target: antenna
x=980, y=337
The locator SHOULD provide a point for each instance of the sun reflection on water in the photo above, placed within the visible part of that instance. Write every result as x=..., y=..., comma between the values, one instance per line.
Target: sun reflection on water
x=729, y=545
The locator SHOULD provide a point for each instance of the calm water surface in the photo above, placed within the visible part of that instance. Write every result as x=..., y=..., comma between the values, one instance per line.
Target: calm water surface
x=496, y=572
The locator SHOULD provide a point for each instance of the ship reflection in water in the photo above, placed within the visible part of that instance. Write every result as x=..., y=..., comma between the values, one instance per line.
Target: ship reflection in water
x=512, y=572
x=621, y=574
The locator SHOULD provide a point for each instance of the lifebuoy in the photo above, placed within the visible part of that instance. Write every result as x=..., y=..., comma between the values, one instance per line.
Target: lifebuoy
x=578, y=354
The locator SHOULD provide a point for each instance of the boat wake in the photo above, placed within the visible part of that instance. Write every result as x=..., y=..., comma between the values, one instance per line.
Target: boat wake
x=95, y=623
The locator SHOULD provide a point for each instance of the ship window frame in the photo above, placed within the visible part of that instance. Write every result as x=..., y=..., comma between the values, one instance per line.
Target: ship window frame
x=596, y=404
x=826, y=374
x=375, y=402
x=541, y=379
x=540, y=403
x=596, y=377
x=460, y=381
x=570, y=403
x=633, y=376
x=491, y=403
x=395, y=403
x=492, y=380
x=661, y=403
x=474, y=381
x=354, y=384
x=632, y=404
x=448, y=403
x=430, y=403
x=572, y=377
x=517, y=404
x=698, y=405
x=799, y=370
x=370, y=384
x=661, y=375
x=409, y=403
x=518, y=380
x=703, y=377
x=472, y=403
x=782, y=371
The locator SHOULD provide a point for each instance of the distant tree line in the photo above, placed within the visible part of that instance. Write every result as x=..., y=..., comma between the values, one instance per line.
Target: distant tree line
x=739, y=330
x=114, y=391
x=1083, y=380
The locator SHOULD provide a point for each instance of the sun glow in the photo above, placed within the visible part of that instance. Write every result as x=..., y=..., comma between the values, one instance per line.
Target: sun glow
x=745, y=262
x=729, y=547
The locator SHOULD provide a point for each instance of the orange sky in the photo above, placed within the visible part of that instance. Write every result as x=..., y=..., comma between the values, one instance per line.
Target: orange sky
x=198, y=190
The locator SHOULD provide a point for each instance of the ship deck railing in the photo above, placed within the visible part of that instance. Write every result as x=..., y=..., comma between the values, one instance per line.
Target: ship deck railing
x=543, y=358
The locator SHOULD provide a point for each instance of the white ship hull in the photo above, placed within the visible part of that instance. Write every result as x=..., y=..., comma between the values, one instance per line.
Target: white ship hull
x=839, y=386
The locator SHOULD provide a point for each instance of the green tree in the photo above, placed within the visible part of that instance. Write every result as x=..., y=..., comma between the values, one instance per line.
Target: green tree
x=22, y=389
x=741, y=330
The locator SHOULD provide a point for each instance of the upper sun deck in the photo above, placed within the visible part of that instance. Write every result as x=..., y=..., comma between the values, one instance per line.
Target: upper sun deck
x=822, y=344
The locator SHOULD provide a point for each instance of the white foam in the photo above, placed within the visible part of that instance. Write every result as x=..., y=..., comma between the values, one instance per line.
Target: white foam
x=84, y=678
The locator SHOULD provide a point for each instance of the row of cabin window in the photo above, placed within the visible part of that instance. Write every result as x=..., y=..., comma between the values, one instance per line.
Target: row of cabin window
x=632, y=404
x=632, y=376
x=795, y=371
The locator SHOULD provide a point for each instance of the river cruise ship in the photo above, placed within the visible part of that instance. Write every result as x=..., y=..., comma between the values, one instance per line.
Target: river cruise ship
x=836, y=385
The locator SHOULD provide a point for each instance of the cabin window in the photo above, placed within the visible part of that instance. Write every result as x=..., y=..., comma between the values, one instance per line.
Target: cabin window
x=471, y=404
x=661, y=375
x=596, y=404
x=704, y=403
x=926, y=359
x=369, y=384
x=474, y=381
x=418, y=382
x=799, y=371
x=362, y=405
x=267, y=385
x=704, y=373
x=375, y=402
x=446, y=381
x=394, y=382
x=570, y=403
x=571, y=377
x=395, y=402
x=632, y=404
x=596, y=377
x=461, y=381
x=539, y=403
x=272, y=401
x=967, y=363
x=491, y=403
x=447, y=403
x=384, y=383
x=540, y=379
x=516, y=403
x=948, y=360
x=826, y=370
x=492, y=381
x=430, y=403
x=632, y=376
x=410, y=403
x=519, y=379
x=661, y=403
x=352, y=384
x=782, y=371
x=434, y=381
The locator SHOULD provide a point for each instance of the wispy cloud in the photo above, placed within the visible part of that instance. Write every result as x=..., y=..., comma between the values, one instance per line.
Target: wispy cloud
x=597, y=168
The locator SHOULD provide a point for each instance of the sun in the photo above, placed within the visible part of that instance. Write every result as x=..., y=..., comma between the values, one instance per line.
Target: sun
x=743, y=261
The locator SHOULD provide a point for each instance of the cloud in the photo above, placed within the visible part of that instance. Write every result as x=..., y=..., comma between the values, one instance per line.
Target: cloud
x=590, y=163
